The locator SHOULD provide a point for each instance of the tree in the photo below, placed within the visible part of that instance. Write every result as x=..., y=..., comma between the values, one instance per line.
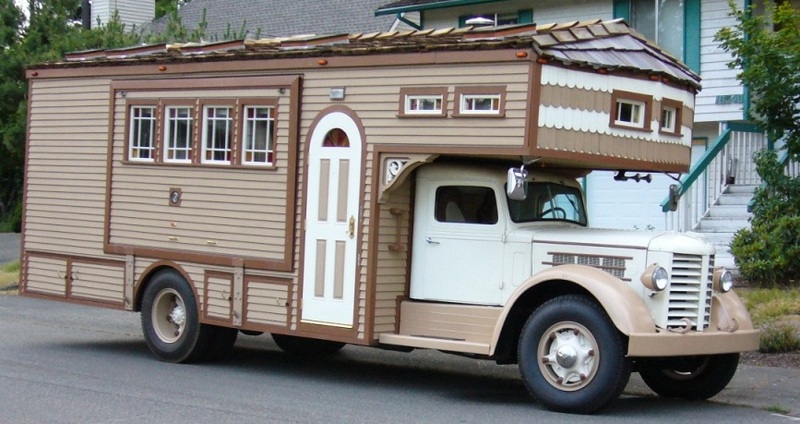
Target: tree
x=767, y=51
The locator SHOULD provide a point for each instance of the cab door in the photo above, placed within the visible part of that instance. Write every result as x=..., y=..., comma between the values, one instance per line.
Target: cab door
x=457, y=243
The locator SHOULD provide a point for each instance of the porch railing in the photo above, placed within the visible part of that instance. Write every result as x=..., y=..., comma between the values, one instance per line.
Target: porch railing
x=728, y=160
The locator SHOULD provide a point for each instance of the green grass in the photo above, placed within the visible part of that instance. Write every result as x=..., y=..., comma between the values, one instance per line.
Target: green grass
x=9, y=274
x=776, y=312
x=778, y=409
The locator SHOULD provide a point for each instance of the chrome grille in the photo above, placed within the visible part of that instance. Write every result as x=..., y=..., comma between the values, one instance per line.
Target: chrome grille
x=690, y=292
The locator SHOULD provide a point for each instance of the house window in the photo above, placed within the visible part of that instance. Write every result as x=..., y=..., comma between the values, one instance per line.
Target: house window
x=480, y=101
x=670, y=117
x=178, y=134
x=142, y=133
x=661, y=21
x=217, y=134
x=259, y=135
x=630, y=110
x=419, y=102
x=504, y=18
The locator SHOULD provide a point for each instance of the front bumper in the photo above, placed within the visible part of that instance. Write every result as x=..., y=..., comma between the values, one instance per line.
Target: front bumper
x=693, y=343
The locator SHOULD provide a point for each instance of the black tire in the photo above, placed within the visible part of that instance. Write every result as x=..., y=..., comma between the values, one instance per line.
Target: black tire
x=170, y=320
x=221, y=343
x=571, y=356
x=305, y=347
x=693, y=378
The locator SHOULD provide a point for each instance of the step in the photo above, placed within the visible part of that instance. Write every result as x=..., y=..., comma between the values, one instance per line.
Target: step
x=734, y=199
x=730, y=211
x=721, y=225
x=741, y=188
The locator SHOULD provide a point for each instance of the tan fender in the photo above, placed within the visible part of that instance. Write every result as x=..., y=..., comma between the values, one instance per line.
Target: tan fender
x=621, y=303
x=728, y=313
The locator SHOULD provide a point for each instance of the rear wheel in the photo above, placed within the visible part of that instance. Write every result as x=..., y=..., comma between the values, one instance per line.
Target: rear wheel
x=170, y=320
x=694, y=378
x=571, y=356
x=302, y=346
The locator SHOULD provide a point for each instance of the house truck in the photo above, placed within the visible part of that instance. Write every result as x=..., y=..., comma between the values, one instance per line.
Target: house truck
x=396, y=190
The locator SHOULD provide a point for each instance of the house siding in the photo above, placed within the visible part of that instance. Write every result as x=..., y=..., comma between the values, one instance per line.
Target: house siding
x=130, y=12
x=718, y=79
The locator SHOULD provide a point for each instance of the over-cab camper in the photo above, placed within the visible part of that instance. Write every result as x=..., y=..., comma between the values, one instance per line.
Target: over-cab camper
x=397, y=190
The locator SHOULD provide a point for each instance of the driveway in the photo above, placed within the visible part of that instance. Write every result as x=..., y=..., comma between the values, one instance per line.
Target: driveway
x=9, y=247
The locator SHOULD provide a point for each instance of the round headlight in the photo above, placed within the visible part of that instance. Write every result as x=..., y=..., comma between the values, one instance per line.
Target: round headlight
x=655, y=278
x=723, y=280
x=660, y=278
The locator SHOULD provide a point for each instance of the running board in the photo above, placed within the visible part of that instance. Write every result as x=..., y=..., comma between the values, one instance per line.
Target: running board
x=435, y=343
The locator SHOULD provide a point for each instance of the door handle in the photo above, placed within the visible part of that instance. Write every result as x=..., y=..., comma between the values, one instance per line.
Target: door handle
x=351, y=227
x=431, y=241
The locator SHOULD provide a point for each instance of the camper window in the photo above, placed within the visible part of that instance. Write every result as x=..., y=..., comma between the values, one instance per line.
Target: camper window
x=217, y=134
x=141, y=138
x=480, y=101
x=259, y=135
x=178, y=134
x=671, y=117
x=631, y=110
x=428, y=102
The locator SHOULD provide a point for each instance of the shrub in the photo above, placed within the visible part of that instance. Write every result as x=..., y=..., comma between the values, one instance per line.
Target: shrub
x=768, y=253
x=779, y=338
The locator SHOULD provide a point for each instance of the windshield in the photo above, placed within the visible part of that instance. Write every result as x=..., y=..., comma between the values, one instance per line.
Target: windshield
x=548, y=202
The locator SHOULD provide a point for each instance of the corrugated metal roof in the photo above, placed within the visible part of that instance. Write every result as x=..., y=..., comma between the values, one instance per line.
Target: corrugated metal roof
x=598, y=44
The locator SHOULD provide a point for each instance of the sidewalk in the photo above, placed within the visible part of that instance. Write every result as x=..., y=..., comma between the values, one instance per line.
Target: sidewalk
x=9, y=247
x=771, y=389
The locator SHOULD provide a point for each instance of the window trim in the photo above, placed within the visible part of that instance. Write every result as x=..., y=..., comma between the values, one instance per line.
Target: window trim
x=497, y=90
x=129, y=122
x=645, y=100
x=406, y=92
x=177, y=103
x=202, y=136
x=240, y=152
x=678, y=121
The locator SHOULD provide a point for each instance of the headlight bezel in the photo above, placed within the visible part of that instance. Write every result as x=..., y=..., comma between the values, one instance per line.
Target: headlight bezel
x=655, y=278
x=723, y=280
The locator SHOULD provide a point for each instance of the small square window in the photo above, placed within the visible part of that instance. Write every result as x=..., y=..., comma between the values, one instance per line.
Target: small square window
x=259, y=135
x=670, y=122
x=631, y=110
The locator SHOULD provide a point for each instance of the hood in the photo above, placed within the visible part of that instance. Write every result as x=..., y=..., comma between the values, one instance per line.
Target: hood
x=685, y=243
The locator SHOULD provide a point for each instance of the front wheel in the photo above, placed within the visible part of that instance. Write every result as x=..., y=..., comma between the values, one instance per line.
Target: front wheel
x=694, y=378
x=571, y=356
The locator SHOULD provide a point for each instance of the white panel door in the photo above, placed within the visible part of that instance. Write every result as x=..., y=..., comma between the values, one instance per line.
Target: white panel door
x=332, y=222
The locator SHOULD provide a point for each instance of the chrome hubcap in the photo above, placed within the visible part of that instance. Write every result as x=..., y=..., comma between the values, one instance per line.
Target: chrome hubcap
x=569, y=356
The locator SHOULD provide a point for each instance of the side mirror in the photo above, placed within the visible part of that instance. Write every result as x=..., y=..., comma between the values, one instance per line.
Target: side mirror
x=672, y=201
x=517, y=184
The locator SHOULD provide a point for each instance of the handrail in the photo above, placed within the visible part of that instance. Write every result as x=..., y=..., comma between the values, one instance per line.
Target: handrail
x=700, y=166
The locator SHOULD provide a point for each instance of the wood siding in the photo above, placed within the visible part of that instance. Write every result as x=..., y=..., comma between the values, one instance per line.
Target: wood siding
x=131, y=12
x=66, y=172
x=718, y=80
x=575, y=111
x=226, y=211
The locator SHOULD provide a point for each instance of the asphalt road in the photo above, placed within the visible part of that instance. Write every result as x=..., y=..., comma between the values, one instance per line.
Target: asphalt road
x=63, y=363
x=9, y=247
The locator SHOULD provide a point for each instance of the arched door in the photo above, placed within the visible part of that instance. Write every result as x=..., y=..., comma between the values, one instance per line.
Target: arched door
x=332, y=221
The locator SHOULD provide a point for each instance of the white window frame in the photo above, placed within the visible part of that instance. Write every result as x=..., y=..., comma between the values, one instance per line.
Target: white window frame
x=248, y=145
x=634, y=123
x=419, y=98
x=668, y=123
x=135, y=145
x=466, y=110
x=208, y=141
x=170, y=130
